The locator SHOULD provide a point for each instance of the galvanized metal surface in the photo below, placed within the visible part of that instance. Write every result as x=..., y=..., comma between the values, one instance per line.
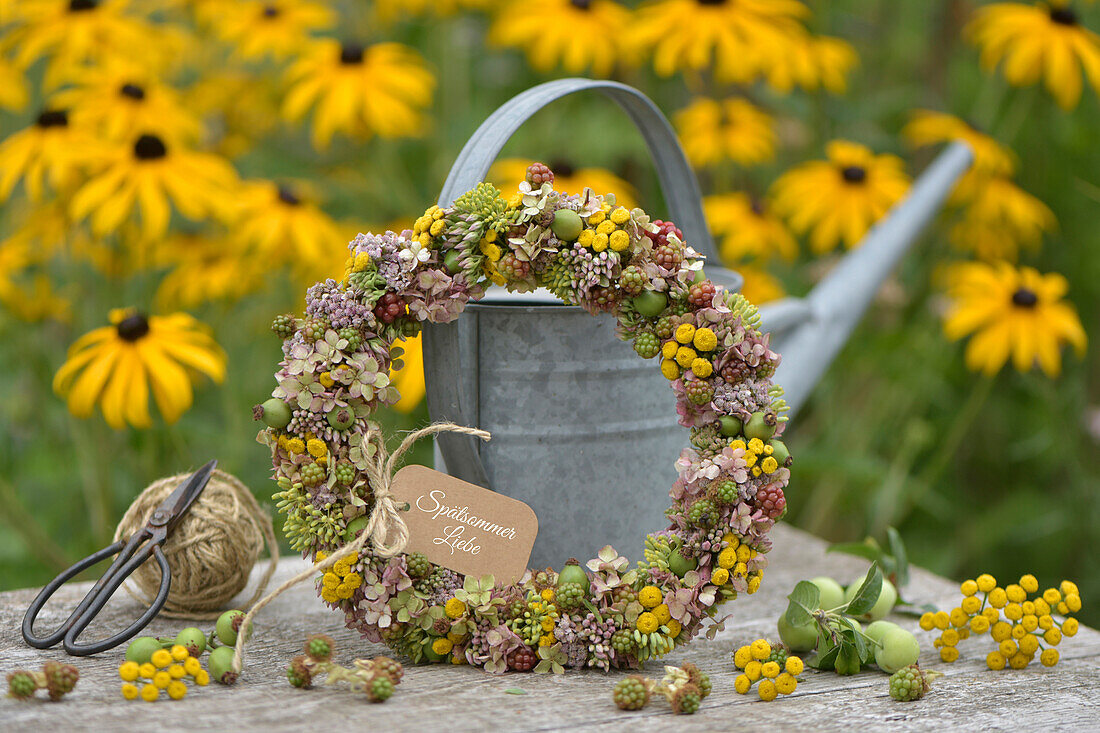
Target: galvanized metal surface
x=583, y=430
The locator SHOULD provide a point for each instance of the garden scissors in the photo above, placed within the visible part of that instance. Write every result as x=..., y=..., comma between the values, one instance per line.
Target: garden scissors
x=146, y=542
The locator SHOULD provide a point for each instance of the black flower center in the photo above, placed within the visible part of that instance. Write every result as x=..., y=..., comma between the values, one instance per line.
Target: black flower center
x=53, y=118
x=562, y=168
x=270, y=11
x=133, y=91
x=711, y=2
x=853, y=174
x=133, y=327
x=581, y=4
x=351, y=53
x=1063, y=16
x=288, y=197
x=757, y=206
x=149, y=147
x=76, y=6
x=1025, y=298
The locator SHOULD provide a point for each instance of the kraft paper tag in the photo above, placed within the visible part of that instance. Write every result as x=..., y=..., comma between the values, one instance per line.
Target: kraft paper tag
x=464, y=527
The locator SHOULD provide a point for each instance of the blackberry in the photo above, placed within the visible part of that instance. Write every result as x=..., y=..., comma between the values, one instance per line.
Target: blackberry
x=770, y=500
x=283, y=326
x=569, y=596
x=699, y=678
x=313, y=329
x=647, y=345
x=319, y=647
x=669, y=256
x=390, y=307
x=664, y=228
x=909, y=683
x=352, y=336
x=21, y=684
x=311, y=474
x=625, y=594
x=622, y=641
x=379, y=688
x=345, y=473
x=632, y=281
x=735, y=371
x=513, y=268
x=665, y=326
x=603, y=298
x=779, y=655
x=60, y=678
x=419, y=566
x=685, y=701
x=699, y=391
x=725, y=491
x=538, y=174
x=701, y=294
x=388, y=668
x=298, y=674
x=703, y=513
x=631, y=693
x=522, y=659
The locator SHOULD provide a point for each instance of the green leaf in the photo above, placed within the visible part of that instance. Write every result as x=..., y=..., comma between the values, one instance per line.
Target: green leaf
x=847, y=660
x=803, y=599
x=859, y=640
x=868, y=549
x=868, y=593
x=515, y=691
x=901, y=559
x=827, y=660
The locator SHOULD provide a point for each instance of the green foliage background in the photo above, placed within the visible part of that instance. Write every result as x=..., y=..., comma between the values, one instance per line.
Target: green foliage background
x=979, y=475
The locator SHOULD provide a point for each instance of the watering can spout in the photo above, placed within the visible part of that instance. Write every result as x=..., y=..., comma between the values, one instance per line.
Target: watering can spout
x=809, y=332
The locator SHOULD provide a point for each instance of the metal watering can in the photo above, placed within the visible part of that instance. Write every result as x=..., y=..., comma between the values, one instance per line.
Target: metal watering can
x=584, y=431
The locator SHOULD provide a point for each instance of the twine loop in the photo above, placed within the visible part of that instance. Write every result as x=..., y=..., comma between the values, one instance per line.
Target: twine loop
x=385, y=519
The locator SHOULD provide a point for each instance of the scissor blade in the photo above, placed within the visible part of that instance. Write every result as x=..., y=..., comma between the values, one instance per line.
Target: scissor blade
x=180, y=500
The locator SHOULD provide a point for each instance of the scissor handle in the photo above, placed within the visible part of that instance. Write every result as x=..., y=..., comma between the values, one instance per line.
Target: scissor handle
x=83, y=650
x=43, y=642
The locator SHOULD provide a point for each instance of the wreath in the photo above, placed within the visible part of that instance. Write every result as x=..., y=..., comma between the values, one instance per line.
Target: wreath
x=589, y=252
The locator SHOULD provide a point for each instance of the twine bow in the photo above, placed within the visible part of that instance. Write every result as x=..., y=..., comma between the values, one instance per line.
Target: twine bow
x=385, y=519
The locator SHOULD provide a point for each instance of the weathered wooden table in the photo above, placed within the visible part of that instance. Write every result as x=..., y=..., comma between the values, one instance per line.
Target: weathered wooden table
x=460, y=698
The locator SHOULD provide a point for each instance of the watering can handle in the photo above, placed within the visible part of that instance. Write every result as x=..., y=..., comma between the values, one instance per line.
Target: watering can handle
x=441, y=342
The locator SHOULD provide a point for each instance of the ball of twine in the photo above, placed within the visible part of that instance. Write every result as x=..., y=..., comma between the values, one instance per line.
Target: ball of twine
x=212, y=550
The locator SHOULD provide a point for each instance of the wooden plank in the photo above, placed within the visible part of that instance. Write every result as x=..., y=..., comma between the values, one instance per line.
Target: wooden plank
x=461, y=698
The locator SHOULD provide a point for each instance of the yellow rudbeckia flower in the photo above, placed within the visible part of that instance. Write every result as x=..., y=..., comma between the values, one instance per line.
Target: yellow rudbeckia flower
x=270, y=28
x=410, y=380
x=116, y=365
x=150, y=173
x=927, y=127
x=810, y=62
x=577, y=35
x=121, y=101
x=1011, y=312
x=507, y=173
x=732, y=129
x=74, y=34
x=279, y=223
x=359, y=90
x=837, y=200
x=735, y=40
x=1043, y=41
x=207, y=268
x=14, y=94
x=50, y=153
x=747, y=229
x=760, y=285
x=999, y=218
